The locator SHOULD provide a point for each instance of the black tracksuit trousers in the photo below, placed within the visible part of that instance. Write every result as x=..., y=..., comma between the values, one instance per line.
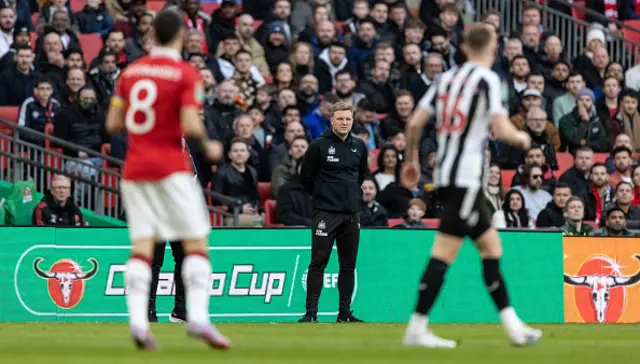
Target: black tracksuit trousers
x=344, y=229
x=180, y=301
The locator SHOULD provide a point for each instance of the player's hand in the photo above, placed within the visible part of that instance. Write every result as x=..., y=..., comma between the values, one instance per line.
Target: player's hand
x=410, y=175
x=213, y=150
x=525, y=141
x=248, y=209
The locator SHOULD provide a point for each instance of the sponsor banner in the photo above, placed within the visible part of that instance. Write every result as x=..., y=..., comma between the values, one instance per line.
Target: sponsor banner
x=601, y=279
x=50, y=274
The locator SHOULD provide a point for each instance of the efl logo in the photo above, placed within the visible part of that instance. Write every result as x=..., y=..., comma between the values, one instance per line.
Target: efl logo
x=600, y=292
x=65, y=280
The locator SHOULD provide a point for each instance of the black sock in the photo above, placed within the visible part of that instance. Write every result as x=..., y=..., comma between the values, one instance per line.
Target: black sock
x=314, y=287
x=430, y=285
x=495, y=283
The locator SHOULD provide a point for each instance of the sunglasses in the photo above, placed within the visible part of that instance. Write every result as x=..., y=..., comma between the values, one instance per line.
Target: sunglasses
x=536, y=176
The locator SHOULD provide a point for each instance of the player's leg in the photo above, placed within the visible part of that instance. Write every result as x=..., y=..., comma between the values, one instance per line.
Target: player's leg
x=488, y=242
x=323, y=234
x=187, y=220
x=347, y=242
x=179, y=313
x=142, y=228
x=156, y=265
x=448, y=240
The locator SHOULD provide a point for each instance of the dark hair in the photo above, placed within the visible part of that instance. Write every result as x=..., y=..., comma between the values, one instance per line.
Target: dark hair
x=22, y=47
x=238, y=139
x=438, y=31
x=104, y=53
x=299, y=137
x=167, y=25
x=42, y=80
x=620, y=149
x=255, y=106
x=380, y=161
x=242, y=51
x=366, y=105
x=561, y=185
x=609, y=212
x=231, y=36
x=330, y=97
x=623, y=183
x=534, y=74
x=490, y=12
x=510, y=215
x=607, y=78
x=519, y=56
x=338, y=44
x=599, y=164
x=401, y=93
x=452, y=8
x=69, y=51
x=344, y=71
x=112, y=31
x=291, y=107
x=562, y=61
x=526, y=173
x=369, y=20
x=534, y=147
x=574, y=74
x=631, y=93
x=530, y=6
x=584, y=149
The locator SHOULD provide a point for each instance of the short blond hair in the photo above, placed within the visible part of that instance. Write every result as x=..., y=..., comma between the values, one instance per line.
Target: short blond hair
x=341, y=106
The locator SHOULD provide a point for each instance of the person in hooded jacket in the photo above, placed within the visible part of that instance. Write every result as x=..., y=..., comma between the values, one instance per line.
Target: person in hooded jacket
x=276, y=48
x=294, y=205
x=94, y=18
x=57, y=208
x=553, y=214
x=104, y=76
x=331, y=61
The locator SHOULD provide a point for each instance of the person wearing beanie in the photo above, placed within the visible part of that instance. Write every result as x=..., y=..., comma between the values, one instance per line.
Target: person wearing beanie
x=595, y=40
x=21, y=36
x=582, y=127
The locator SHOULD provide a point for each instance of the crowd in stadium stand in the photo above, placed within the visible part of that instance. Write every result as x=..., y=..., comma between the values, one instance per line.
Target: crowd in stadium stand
x=273, y=68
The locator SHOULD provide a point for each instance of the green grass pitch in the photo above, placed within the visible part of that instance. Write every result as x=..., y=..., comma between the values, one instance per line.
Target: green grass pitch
x=66, y=343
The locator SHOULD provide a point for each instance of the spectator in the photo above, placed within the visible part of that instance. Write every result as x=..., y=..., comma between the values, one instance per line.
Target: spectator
x=530, y=98
x=302, y=60
x=627, y=120
x=377, y=90
x=21, y=37
x=280, y=14
x=582, y=127
x=198, y=20
x=284, y=76
x=294, y=205
x=614, y=225
x=286, y=98
x=276, y=48
x=367, y=119
x=94, y=18
x=403, y=107
x=7, y=25
x=414, y=33
x=372, y=213
x=308, y=96
x=17, y=83
x=103, y=77
x=615, y=70
x=114, y=42
x=61, y=24
x=636, y=186
x=389, y=164
x=607, y=107
x=556, y=86
x=398, y=19
x=243, y=78
x=75, y=81
x=57, y=208
x=567, y=102
x=623, y=162
x=621, y=140
x=345, y=88
x=542, y=133
x=320, y=119
x=553, y=53
x=38, y=111
x=530, y=38
x=286, y=171
x=303, y=14
x=577, y=177
x=449, y=20
x=632, y=76
x=595, y=40
x=514, y=212
x=245, y=33
x=411, y=70
x=359, y=12
x=624, y=196
x=47, y=13
x=321, y=34
x=594, y=74
x=82, y=123
x=239, y=181
x=292, y=128
x=600, y=195
x=575, y=225
x=209, y=84
x=399, y=141
x=243, y=126
x=50, y=58
x=364, y=45
x=134, y=45
x=415, y=213
x=395, y=198
x=493, y=192
x=262, y=132
x=553, y=214
x=440, y=43
x=536, y=156
x=426, y=170
x=536, y=81
x=128, y=23
x=223, y=23
x=531, y=188
x=330, y=62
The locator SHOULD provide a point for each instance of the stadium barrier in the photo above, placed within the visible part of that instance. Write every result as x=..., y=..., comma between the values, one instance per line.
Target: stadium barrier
x=66, y=274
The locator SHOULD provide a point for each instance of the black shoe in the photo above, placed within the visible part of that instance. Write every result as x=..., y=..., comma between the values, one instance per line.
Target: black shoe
x=178, y=316
x=153, y=317
x=309, y=317
x=348, y=318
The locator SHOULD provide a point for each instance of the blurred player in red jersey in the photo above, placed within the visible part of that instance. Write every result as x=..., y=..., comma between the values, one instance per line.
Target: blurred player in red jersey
x=157, y=100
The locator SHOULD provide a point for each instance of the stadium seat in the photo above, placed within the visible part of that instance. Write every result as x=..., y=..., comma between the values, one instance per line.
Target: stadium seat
x=507, y=177
x=432, y=223
x=340, y=27
x=373, y=163
x=270, y=214
x=264, y=191
x=394, y=222
x=20, y=204
x=34, y=39
x=576, y=13
x=9, y=113
x=155, y=6
x=209, y=7
x=34, y=18
x=602, y=157
x=216, y=218
x=592, y=224
x=76, y=5
x=268, y=79
x=565, y=161
x=91, y=45
x=630, y=34
x=109, y=180
x=256, y=25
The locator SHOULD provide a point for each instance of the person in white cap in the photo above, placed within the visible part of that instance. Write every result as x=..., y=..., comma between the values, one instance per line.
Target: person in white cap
x=595, y=40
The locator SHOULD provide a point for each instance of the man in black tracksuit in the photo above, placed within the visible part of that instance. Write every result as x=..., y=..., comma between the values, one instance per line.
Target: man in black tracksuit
x=333, y=170
x=179, y=313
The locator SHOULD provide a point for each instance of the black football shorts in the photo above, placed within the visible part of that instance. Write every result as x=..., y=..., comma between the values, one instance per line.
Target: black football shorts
x=465, y=212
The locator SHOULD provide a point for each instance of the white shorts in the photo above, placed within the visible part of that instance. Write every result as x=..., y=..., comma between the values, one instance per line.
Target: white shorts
x=170, y=209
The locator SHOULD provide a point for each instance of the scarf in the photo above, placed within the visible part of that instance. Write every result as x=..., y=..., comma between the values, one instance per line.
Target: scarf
x=492, y=193
x=600, y=203
x=633, y=132
x=636, y=196
x=637, y=7
x=199, y=26
x=611, y=9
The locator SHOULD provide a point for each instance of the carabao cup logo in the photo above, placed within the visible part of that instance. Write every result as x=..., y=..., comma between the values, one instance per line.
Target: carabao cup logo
x=65, y=280
x=600, y=292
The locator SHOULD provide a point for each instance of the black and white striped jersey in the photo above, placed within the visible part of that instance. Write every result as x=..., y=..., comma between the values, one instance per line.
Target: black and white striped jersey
x=463, y=100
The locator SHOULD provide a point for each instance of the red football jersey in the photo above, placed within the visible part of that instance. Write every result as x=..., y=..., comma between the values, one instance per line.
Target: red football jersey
x=152, y=91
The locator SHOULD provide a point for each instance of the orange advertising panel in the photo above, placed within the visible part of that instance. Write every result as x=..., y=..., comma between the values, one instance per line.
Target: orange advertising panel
x=601, y=279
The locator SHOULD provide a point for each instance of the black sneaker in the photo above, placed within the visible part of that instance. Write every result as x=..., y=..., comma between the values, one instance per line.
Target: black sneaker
x=153, y=317
x=309, y=317
x=178, y=316
x=348, y=318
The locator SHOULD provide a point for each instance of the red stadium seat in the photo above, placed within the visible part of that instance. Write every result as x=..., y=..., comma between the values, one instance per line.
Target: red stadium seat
x=264, y=191
x=373, y=163
x=394, y=222
x=76, y=5
x=576, y=13
x=268, y=79
x=34, y=18
x=340, y=27
x=601, y=157
x=91, y=45
x=565, y=161
x=209, y=7
x=9, y=113
x=34, y=39
x=507, y=177
x=629, y=34
x=270, y=212
x=48, y=129
x=109, y=180
x=155, y=6
x=432, y=223
x=256, y=25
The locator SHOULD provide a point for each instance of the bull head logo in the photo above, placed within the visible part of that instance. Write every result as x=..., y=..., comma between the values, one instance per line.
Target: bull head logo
x=600, y=286
x=66, y=280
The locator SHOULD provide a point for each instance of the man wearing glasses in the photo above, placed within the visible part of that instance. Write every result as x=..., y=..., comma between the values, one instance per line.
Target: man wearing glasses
x=535, y=198
x=57, y=208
